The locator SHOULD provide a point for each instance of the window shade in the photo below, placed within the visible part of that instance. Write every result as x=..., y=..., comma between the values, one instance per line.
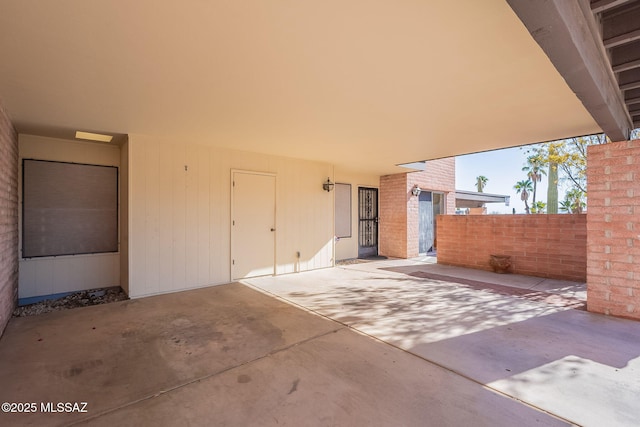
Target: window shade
x=343, y=210
x=68, y=208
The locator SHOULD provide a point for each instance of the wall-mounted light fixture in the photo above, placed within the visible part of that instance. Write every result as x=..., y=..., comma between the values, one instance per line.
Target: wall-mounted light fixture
x=328, y=186
x=416, y=190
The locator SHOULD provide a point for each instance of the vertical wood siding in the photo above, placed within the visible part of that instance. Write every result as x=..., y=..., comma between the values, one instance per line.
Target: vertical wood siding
x=180, y=219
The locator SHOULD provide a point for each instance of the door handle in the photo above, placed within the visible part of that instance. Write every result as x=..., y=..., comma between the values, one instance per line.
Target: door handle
x=273, y=229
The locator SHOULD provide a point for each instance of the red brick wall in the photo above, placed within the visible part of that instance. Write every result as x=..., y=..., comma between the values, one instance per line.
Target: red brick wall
x=613, y=256
x=8, y=218
x=399, y=223
x=393, y=215
x=413, y=217
x=551, y=246
x=439, y=175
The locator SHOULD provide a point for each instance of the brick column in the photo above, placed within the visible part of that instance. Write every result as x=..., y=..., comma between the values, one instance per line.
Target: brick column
x=439, y=176
x=613, y=226
x=413, y=219
x=8, y=218
x=393, y=215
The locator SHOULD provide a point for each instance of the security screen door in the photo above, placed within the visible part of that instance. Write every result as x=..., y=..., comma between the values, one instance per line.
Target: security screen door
x=367, y=222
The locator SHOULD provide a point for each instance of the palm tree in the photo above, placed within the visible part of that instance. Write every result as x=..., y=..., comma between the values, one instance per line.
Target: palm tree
x=481, y=182
x=534, y=172
x=523, y=188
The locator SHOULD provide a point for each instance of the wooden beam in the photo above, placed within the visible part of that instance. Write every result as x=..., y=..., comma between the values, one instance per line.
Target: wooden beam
x=626, y=66
x=625, y=38
x=568, y=34
x=604, y=5
x=630, y=101
x=629, y=86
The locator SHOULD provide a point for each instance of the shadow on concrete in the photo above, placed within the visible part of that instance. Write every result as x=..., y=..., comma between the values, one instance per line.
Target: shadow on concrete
x=535, y=295
x=522, y=346
x=526, y=343
x=444, y=321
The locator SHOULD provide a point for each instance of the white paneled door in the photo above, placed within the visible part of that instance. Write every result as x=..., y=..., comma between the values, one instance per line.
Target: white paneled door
x=253, y=222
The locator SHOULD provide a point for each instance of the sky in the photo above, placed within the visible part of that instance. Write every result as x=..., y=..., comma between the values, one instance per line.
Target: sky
x=503, y=168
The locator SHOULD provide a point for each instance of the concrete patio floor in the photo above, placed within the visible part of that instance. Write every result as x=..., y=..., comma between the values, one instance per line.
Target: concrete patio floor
x=376, y=343
x=517, y=335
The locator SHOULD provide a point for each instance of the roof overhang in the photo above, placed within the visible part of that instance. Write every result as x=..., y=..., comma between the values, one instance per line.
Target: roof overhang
x=359, y=84
x=571, y=33
x=472, y=199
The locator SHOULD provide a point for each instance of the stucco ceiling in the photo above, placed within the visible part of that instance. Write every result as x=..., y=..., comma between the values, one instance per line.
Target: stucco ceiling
x=362, y=83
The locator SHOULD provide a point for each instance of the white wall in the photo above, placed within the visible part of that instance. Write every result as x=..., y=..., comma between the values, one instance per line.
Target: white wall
x=175, y=224
x=179, y=230
x=347, y=248
x=52, y=275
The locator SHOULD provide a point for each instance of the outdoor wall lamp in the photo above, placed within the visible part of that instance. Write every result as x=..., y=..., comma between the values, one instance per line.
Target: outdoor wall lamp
x=416, y=190
x=328, y=186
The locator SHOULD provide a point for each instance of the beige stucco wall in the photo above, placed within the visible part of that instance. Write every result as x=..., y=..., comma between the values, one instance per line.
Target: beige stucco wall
x=179, y=229
x=52, y=275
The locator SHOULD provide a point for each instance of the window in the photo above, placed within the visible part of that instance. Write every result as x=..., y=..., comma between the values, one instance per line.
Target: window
x=68, y=208
x=343, y=210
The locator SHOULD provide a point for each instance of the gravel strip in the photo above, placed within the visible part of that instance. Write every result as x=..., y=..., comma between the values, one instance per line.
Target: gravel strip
x=77, y=299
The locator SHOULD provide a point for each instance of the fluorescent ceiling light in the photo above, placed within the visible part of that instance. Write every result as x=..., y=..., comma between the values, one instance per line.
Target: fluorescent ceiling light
x=93, y=136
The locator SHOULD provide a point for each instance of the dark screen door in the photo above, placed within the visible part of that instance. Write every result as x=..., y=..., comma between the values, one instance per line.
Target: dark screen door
x=368, y=222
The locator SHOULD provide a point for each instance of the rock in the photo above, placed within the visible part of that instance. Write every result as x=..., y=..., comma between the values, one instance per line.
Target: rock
x=77, y=299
